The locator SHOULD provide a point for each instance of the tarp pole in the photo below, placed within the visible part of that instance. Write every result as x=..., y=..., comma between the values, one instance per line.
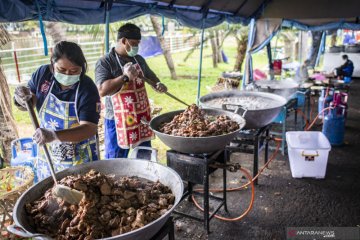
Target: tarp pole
x=107, y=26
x=108, y=5
x=200, y=64
x=321, y=48
x=269, y=55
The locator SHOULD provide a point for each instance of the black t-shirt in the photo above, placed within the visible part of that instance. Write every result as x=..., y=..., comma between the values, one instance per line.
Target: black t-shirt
x=108, y=67
x=88, y=102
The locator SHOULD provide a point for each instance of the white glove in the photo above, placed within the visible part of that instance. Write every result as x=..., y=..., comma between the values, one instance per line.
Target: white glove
x=42, y=136
x=130, y=71
x=22, y=94
x=160, y=87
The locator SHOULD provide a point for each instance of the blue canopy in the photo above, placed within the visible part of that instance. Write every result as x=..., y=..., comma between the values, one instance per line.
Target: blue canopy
x=305, y=14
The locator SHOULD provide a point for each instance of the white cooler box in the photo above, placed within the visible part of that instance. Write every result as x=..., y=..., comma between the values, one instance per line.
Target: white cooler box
x=308, y=153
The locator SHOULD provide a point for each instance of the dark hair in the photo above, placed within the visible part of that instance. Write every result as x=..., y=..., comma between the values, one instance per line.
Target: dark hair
x=72, y=52
x=129, y=31
x=345, y=57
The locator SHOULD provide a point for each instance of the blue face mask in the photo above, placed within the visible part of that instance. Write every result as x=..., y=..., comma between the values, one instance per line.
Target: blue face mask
x=133, y=51
x=66, y=80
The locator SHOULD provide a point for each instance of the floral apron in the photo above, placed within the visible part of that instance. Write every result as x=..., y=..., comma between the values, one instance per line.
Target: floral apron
x=57, y=115
x=131, y=105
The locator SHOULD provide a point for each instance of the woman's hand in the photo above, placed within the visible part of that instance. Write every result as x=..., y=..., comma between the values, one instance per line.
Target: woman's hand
x=22, y=94
x=42, y=136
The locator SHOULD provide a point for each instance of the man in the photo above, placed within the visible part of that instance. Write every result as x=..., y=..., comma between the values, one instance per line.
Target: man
x=302, y=73
x=345, y=70
x=119, y=78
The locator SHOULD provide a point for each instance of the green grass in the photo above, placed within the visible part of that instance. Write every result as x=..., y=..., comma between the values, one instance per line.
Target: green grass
x=184, y=88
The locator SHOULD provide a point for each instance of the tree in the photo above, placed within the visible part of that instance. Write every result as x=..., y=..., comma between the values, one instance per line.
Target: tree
x=8, y=130
x=166, y=51
x=55, y=30
x=241, y=37
x=217, y=37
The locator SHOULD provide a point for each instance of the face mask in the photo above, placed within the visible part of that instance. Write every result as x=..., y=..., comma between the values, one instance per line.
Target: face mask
x=133, y=51
x=67, y=80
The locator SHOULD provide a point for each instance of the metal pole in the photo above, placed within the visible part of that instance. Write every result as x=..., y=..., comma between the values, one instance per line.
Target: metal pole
x=200, y=65
x=107, y=21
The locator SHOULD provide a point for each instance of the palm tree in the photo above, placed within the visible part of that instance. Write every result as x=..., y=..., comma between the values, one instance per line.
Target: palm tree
x=8, y=130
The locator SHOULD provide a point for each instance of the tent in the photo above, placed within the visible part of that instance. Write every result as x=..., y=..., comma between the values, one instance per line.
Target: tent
x=264, y=16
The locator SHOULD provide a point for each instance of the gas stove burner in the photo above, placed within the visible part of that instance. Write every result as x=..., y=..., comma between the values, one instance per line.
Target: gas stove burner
x=195, y=169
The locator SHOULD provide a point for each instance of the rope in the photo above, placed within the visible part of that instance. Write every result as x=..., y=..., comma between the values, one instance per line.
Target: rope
x=162, y=25
x=42, y=29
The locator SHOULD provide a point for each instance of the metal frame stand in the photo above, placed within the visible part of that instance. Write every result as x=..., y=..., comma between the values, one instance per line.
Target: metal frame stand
x=291, y=106
x=195, y=169
x=251, y=142
x=166, y=230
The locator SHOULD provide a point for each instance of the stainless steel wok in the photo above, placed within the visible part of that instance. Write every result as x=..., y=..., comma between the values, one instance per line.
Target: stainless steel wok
x=255, y=118
x=120, y=167
x=285, y=87
x=195, y=145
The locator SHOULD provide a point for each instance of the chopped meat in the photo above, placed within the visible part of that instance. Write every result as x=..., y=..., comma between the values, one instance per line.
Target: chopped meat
x=111, y=207
x=193, y=122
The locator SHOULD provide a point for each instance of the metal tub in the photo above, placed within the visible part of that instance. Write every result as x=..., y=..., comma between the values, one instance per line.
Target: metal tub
x=120, y=167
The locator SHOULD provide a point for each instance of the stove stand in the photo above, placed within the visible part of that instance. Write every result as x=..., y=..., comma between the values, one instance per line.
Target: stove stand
x=166, y=230
x=195, y=169
x=252, y=142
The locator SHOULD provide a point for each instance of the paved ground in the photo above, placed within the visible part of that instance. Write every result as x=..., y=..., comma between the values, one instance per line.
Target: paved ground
x=282, y=201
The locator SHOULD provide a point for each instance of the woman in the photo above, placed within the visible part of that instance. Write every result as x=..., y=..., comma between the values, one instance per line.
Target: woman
x=68, y=105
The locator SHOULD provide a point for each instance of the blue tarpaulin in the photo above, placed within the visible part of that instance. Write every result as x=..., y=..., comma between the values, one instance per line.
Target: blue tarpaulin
x=150, y=46
x=324, y=14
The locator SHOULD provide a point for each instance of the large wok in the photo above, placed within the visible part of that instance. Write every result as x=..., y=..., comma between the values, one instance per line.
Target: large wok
x=254, y=118
x=284, y=87
x=120, y=167
x=195, y=145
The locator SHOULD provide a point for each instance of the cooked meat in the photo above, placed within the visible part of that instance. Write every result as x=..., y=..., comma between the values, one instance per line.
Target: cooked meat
x=111, y=207
x=193, y=122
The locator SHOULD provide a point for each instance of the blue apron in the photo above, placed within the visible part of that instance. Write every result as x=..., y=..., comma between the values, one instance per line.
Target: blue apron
x=57, y=115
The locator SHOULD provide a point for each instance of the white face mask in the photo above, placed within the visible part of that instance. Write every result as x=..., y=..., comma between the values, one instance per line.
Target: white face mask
x=133, y=50
x=66, y=80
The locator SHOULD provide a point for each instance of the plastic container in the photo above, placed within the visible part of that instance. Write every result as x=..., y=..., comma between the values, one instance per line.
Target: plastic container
x=308, y=153
x=24, y=153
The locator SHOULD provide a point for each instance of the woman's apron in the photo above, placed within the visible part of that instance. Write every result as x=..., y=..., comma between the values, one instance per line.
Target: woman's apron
x=131, y=105
x=58, y=115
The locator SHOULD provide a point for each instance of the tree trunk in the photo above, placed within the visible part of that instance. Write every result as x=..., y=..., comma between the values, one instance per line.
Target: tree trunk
x=241, y=51
x=166, y=51
x=8, y=130
x=218, y=48
x=214, y=49
x=55, y=30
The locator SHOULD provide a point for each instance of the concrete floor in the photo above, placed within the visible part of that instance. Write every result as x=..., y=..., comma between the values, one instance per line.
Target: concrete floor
x=282, y=201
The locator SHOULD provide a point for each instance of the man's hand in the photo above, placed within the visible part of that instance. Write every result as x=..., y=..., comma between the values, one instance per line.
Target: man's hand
x=42, y=136
x=22, y=95
x=160, y=87
x=130, y=71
